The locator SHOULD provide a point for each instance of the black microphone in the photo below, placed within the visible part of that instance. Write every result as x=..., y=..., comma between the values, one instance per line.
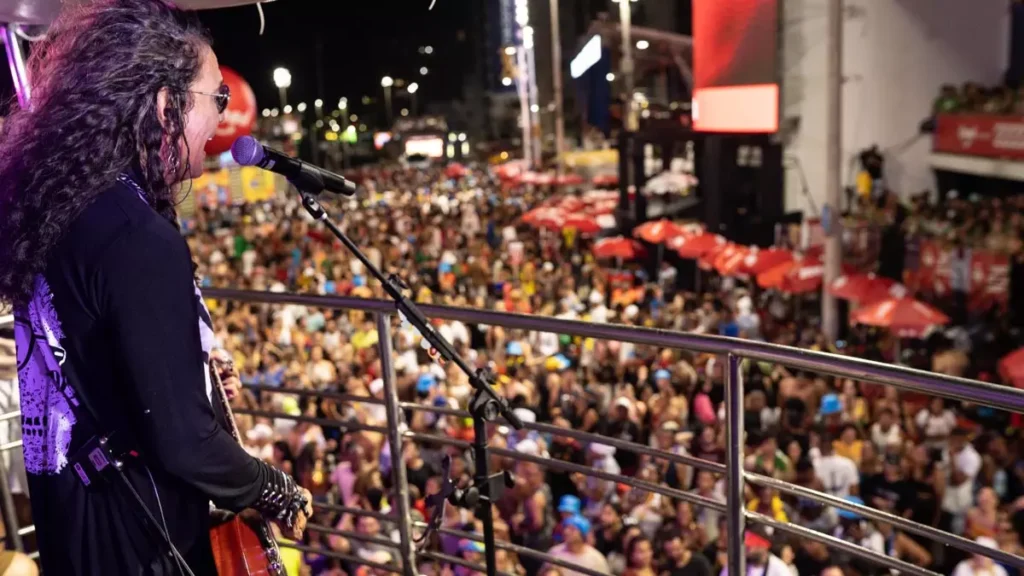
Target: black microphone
x=247, y=151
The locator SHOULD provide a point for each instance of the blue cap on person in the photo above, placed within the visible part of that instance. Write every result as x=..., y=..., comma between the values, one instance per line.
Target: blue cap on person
x=848, y=515
x=578, y=522
x=514, y=348
x=830, y=404
x=425, y=382
x=570, y=504
x=662, y=375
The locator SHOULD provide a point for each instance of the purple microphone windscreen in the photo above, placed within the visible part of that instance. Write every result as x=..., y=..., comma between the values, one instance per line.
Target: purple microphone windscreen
x=247, y=151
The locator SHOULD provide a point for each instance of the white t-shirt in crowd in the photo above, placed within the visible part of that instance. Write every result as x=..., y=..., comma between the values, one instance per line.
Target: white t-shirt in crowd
x=966, y=568
x=589, y=557
x=957, y=500
x=837, y=473
x=775, y=567
x=933, y=426
x=883, y=439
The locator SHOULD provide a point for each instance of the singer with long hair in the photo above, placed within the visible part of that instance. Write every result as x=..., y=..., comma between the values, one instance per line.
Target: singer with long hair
x=112, y=335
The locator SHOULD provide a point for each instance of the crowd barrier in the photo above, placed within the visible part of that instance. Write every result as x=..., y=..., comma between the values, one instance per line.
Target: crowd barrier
x=736, y=478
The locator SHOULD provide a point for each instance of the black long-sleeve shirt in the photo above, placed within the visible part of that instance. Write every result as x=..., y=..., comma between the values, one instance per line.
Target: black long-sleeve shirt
x=125, y=312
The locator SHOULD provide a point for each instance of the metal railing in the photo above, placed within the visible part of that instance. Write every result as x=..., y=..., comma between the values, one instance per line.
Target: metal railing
x=736, y=478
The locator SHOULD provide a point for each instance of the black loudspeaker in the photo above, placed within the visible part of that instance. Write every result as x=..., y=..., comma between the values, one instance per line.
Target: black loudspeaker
x=740, y=184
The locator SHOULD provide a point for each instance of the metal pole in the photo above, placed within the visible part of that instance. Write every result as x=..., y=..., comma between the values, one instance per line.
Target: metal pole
x=283, y=93
x=556, y=69
x=16, y=61
x=734, y=439
x=396, y=429
x=625, y=21
x=481, y=481
x=522, y=84
x=833, y=165
x=387, y=104
x=535, y=131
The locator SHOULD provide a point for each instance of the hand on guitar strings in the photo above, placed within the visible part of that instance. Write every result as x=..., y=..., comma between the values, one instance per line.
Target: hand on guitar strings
x=299, y=526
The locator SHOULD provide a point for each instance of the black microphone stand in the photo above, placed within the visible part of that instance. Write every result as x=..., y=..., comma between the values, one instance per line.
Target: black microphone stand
x=485, y=405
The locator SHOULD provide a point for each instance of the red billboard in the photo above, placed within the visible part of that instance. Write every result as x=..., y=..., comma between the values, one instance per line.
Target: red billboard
x=980, y=135
x=735, y=66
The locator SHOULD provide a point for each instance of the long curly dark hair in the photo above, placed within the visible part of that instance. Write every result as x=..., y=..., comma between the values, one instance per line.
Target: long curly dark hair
x=93, y=116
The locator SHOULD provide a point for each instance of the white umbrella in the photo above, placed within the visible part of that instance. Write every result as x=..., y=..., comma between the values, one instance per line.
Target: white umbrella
x=669, y=182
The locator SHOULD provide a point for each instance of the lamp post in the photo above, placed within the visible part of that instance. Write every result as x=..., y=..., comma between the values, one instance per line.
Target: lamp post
x=412, y=89
x=283, y=80
x=343, y=106
x=387, y=82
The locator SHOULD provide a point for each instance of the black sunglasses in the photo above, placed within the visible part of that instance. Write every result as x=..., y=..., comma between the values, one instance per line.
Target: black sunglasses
x=222, y=97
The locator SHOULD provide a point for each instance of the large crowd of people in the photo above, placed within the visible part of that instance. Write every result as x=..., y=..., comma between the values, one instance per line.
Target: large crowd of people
x=460, y=242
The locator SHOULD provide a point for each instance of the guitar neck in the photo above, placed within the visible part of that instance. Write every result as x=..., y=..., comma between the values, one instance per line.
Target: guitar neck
x=222, y=395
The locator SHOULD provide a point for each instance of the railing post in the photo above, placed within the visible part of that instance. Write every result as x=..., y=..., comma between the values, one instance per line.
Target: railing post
x=396, y=430
x=9, y=512
x=735, y=503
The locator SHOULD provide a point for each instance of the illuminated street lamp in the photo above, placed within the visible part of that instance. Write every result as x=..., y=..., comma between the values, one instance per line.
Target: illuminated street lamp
x=283, y=80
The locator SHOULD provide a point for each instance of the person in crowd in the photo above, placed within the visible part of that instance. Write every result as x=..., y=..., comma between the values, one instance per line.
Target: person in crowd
x=575, y=531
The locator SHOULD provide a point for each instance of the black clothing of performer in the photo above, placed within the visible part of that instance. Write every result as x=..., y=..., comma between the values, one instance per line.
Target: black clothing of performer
x=119, y=303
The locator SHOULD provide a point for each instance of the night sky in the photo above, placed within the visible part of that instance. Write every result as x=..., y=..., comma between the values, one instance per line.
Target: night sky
x=361, y=40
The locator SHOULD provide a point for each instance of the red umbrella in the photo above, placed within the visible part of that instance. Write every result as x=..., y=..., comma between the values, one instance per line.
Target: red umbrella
x=862, y=288
x=606, y=180
x=602, y=207
x=730, y=262
x=907, y=317
x=758, y=261
x=571, y=204
x=552, y=219
x=658, y=231
x=581, y=223
x=694, y=247
x=707, y=259
x=1011, y=368
x=568, y=180
x=455, y=170
x=794, y=277
x=617, y=247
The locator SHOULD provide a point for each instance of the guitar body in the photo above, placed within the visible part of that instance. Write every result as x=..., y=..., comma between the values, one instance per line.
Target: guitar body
x=243, y=545
x=241, y=549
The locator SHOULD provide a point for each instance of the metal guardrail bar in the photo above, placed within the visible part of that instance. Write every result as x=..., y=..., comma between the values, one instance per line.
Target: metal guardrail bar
x=337, y=556
x=311, y=419
x=900, y=566
x=734, y=481
x=888, y=518
x=547, y=558
x=459, y=561
x=350, y=535
x=993, y=395
x=9, y=445
x=736, y=515
x=27, y=530
x=380, y=516
x=10, y=416
x=716, y=467
x=395, y=430
x=315, y=393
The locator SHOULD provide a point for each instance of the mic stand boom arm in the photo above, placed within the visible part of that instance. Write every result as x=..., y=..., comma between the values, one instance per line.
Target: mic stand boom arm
x=485, y=404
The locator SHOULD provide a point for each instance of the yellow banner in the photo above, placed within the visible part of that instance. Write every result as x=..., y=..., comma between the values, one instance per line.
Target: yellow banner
x=258, y=185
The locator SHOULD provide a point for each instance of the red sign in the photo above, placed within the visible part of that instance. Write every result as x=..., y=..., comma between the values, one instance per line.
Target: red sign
x=980, y=135
x=990, y=275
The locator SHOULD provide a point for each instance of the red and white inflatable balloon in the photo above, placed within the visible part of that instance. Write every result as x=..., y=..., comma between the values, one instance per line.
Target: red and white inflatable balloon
x=240, y=116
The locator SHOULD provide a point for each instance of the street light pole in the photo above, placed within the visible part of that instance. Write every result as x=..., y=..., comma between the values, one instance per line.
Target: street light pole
x=412, y=89
x=282, y=79
x=556, y=68
x=387, y=82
